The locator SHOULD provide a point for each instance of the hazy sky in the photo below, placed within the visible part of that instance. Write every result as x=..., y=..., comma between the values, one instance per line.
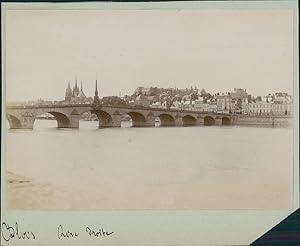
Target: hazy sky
x=213, y=49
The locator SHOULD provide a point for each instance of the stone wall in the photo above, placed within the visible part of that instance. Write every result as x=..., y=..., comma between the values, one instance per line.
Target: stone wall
x=264, y=121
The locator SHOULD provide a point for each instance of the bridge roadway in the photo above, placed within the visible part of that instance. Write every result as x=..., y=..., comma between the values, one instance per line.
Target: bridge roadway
x=68, y=116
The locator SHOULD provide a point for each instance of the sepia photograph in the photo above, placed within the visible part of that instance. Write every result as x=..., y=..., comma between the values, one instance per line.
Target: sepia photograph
x=149, y=108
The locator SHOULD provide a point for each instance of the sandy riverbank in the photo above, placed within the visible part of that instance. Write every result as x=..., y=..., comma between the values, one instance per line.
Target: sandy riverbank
x=26, y=193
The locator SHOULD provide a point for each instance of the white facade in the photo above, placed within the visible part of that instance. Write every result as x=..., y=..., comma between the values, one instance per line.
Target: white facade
x=282, y=109
x=245, y=106
x=260, y=107
x=224, y=103
x=204, y=107
x=159, y=105
x=213, y=107
x=156, y=105
x=198, y=104
x=186, y=105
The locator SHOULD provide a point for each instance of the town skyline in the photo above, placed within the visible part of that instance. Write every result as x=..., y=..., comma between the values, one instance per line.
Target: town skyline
x=81, y=85
x=126, y=49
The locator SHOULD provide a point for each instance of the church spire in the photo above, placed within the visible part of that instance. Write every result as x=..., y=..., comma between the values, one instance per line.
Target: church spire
x=69, y=93
x=76, y=81
x=96, y=97
x=96, y=89
x=76, y=89
x=81, y=93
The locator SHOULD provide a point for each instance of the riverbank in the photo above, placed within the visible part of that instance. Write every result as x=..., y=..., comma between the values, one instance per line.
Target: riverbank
x=264, y=121
x=27, y=193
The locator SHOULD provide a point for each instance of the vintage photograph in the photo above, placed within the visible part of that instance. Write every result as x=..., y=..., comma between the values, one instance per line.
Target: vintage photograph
x=149, y=109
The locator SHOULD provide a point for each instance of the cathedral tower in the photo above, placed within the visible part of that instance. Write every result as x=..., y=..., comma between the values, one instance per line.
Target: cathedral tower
x=81, y=93
x=75, y=89
x=68, y=94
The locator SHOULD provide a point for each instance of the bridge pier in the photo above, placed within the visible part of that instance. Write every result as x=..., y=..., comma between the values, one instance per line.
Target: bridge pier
x=178, y=121
x=200, y=121
x=25, y=121
x=105, y=122
x=116, y=120
x=150, y=120
x=148, y=123
x=218, y=121
x=233, y=120
x=73, y=122
x=105, y=125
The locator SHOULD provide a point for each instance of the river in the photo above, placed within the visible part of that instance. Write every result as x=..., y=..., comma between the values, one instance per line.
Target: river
x=215, y=167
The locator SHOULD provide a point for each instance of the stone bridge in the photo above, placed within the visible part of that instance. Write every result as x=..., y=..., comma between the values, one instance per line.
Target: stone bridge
x=68, y=116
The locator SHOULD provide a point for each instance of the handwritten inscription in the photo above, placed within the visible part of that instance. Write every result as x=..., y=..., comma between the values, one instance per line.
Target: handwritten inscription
x=65, y=233
x=61, y=233
x=9, y=232
x=99, y=233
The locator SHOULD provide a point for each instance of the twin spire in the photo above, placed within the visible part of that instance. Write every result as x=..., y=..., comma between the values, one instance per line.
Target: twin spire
x=81, y=87
x=76, y=86
x=72, y=94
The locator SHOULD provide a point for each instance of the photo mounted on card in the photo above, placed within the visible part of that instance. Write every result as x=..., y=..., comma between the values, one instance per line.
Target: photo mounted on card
x=117, y=112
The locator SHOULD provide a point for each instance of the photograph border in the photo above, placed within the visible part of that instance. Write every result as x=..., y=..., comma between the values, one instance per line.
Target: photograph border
x=153, y=227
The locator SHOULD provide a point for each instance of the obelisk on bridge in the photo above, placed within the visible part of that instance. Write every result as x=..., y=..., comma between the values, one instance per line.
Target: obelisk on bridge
x=96, y=101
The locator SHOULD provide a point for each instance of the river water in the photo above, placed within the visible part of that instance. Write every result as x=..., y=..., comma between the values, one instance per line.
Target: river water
x=215, y=167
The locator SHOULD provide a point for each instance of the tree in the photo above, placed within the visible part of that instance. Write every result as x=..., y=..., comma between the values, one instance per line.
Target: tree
x=258, y=99
x=113, y=101
x=194, y=97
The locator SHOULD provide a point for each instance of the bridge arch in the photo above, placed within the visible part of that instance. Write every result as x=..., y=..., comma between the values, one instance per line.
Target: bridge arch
x=189, y=120
x=13, y=121
x=138, y=119
x=166, y=120
x=86, y=118
x=225, y=121
x=105, y=119
x=209, y=121
x=44, y=120
x=62, y=119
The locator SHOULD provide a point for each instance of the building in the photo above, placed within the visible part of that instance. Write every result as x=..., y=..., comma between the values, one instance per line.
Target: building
x=75, y=95
x=158, y=104
x=281, y=97
x=186, y=105
x=245, y=106
x=198, y=104
x=224, y=103
x=283, y=104
x=284, y=108
x=260, y=107
x=269, y=105
x=142, y=101
x=213, y=107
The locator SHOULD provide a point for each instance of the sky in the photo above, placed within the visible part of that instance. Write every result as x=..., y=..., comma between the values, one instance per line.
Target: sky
x=215, y=49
